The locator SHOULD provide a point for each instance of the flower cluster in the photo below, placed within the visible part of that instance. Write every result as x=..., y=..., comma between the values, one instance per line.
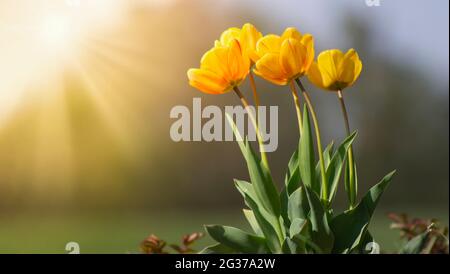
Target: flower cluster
x=277, y=59
x=282, y=60
x=300, y=218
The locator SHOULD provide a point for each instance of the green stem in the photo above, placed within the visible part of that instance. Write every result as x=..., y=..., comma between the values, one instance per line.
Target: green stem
x=255, y=93
x=255, y=125
x=319, y=142
x=352, y=182
x=297, y=106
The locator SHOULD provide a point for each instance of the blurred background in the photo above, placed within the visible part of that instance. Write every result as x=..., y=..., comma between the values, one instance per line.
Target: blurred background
x=86, y=88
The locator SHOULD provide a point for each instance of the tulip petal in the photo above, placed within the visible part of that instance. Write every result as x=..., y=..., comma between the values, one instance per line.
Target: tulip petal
x=315, y=76
x=238, y=65
x=291, y=33
x=308, y=42
x=347, y=71
x=354, y=57
x=207, y=81
x=248, y=39
x=227, y=36
x=328, y=62
x=216, y=60
x=269, y=68
x=292, y=56
x=268, y=44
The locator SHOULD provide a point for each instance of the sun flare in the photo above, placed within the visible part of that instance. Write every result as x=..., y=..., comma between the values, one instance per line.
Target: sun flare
x=52, y=51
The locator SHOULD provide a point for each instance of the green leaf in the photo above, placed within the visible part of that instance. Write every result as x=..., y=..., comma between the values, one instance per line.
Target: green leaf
x=298, y=205
x=259, y=174
x=290, y=247
x=300, y=234
x=292, y=178
x=306, y=155
x=328, y=151
x=284, y=198
x=351, y=193
x=250, y=216
x=326, y=157
x=334, y=168
x=259, y=218
x=237, y=240
x=416, y=244
x=217, y=249
x=292, y=183
x=262, y=182
x=268, y=224
x=295, y=244
x=321, y=233
x=349, y=227
x=236, y=133
x=293, y=163
x=245, y=187
x=297, y=226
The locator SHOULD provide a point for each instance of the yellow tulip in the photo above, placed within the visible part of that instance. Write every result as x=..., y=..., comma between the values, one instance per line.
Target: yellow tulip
x=247, y=36
x=284, y=58
x=335, y=70
x=221, y=69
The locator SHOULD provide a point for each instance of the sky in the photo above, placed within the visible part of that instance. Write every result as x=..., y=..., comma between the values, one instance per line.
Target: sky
x=413, y=31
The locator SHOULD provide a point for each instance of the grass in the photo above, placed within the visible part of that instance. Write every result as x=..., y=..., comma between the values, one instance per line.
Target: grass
x=121, y=232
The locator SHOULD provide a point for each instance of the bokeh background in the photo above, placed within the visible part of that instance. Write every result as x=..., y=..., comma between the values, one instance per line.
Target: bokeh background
x=86, y=88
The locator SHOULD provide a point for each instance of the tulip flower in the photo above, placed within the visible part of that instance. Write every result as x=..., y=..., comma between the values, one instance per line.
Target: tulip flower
x=335, y=71
x=221, y=69
x=284, y=58
x=247, y=36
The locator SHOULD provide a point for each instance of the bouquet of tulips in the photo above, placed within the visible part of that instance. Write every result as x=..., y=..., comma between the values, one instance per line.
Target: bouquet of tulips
x=299, y=218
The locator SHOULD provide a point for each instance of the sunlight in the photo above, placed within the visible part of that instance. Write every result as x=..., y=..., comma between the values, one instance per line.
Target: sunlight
x=43, y=37
x=56, y=33
x=50, y=52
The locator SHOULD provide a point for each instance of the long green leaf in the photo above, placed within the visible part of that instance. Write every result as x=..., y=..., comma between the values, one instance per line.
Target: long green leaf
x=284, y=199
x=245, y=187
x=300, y=234
x=292, y=182
x=295, y=244
x=298, y=206
x=259, y=175
x=258, y=217
x=250, y=216
x=237, y=240
x=349, y=227
x=327, y=152
x=236, y=133
x=262, y=182
x=321, y=233
x=306, y=155
x=268, y=225
x=288, y=246
x=297, y=226
x=336, y=163
x=292, y=178
x=351, y=194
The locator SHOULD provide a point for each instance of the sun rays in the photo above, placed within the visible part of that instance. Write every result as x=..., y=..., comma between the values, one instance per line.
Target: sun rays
x=78, y=50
